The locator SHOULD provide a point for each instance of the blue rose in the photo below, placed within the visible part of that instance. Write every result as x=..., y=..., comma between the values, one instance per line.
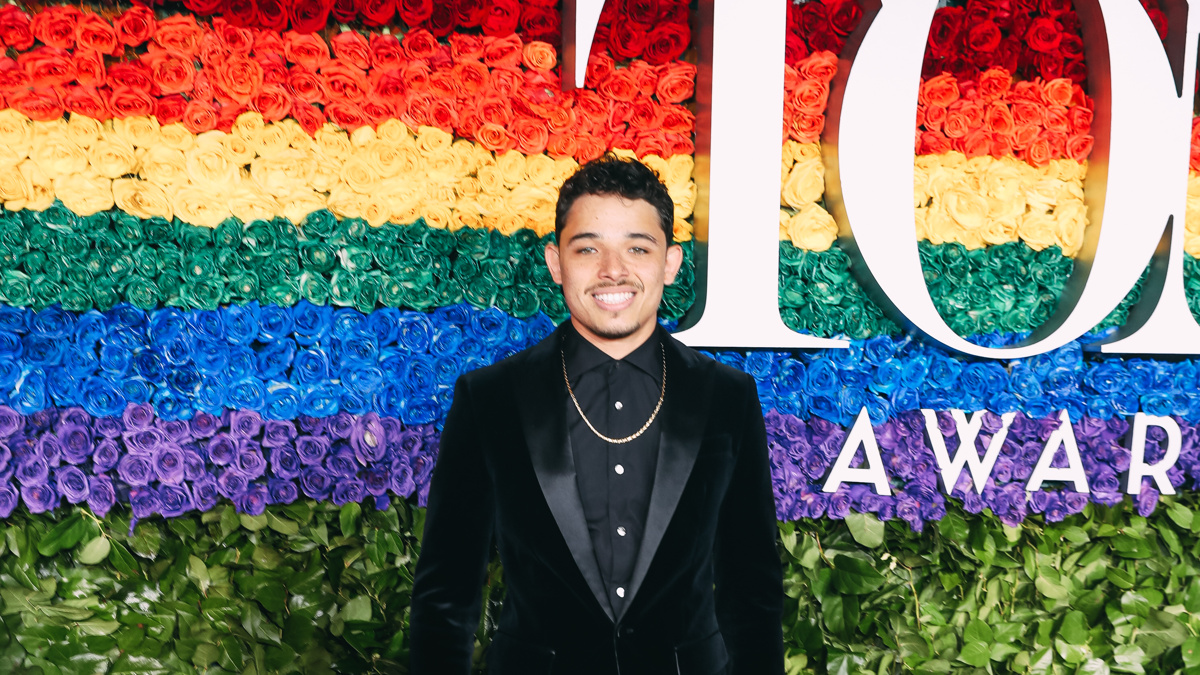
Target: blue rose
x=419, y=410
x=167, y=324
x=822, y=378
x=347, y=321
x=824, y=406
x=1061, y=382
x=459, y=315
x=210, y=356
x=10, y=373
x=469, y=347
x=915, y=371
x=320, y=400
x=312, y=322
x=363, y=381
x=446, y=370
x=1068, y=356
x=207, y=324
x=879, y=350
x=11, y=345
x=171, y=405
x=943, y=371
x=446, y=339
x=886, y=377
x=357, y=348
x=275, y=357
x=274, y=323
x=310, y=366
x=1158, y=403
x=877, y=409
x=384, y=324
x=1003, y=401
x=90, y=328
x=538, y=328
x=241, y=323
x=128, y=316
x=248, y=393
x=184, y=379
x=905, y=399
x=210, y=396
x=147, y=364
x=30, y=394
x=42, y=351
x=414, y=332
x=490, y=326
x=79, y=362
x=52, y=321
x=14, y=319
x=760, y=364
x=850, y=357
x=1025, y=383
x=283, y=401
x=517, y=333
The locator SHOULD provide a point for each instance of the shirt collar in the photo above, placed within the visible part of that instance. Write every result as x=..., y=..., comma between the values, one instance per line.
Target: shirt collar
x=582, y=356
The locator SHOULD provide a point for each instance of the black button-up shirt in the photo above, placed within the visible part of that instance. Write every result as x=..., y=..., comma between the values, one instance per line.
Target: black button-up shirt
x=614, y=480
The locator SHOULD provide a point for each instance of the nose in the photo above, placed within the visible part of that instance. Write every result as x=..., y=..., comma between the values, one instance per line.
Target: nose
x=612, y=266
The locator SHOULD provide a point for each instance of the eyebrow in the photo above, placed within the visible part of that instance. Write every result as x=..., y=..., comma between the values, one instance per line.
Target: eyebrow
x=631, y=235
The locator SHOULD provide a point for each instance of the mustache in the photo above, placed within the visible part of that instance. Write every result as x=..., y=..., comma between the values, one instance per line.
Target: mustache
x=632, y=283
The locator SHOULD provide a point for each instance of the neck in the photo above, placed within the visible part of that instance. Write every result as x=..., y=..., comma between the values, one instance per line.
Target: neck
x=617, y=348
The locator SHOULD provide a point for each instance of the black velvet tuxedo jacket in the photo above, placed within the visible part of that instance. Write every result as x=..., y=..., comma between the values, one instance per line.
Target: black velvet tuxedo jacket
x=706, y=593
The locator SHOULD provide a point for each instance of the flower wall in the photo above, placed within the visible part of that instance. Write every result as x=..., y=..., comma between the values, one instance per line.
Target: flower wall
x=248, y=246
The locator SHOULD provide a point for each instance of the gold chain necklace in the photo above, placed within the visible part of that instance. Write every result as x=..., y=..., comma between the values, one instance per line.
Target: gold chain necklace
x=645, y=426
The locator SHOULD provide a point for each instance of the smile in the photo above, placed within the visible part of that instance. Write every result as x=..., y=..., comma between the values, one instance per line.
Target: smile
x=614, y=301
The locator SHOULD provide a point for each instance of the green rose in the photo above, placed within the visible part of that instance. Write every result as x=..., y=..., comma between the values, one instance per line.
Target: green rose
x=128, y=229
x=499, y=271
x=439, y=242
x=228, y=234
x=200, y=265
x=356, y=259
x=448, y=292
x=259, y=238
x=464, y=268
x=314, y=288
x=387, y=256
x=420, y=297
x=192, y=238
x=474, y=243
x=202, y=294
x=553, y=305
x=519, y=301
x=481, y=291
x=285, y=233
x=33, y=262
x=675, y=301
x=75, y=298
x=368, y=294
x=54, y=268
x=353, y=229
x=243, y=287
x=104, y=297
x=284, y=294
x=145, y=261
x=46, y=291
x=158, y=230
x=319, y=225
x=391, y=292
x=343, y=287
x=17, y=288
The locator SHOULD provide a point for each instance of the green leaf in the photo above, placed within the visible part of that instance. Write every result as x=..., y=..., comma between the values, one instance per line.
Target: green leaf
x=977, y=631
x=64, y=535
x=1074, y=628
x=866, y=529
x=954, y=528
x=252, y=523
x=1093, y=667
x=1135, y=603
x=94, y=551
x=282, y=525
x=855, y=575
x=349, y=518
x=975, y=654
x=1181, y=515
x=123, y=561
x=1119, y=577
x=1050, y=588
x=198, y=571
x=357, y=609
x=1191, y=652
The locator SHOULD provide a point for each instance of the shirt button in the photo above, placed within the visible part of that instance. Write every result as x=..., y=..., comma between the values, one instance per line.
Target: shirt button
x=620, y=591
x=621, y=531
x=618, y=405
x=619, y=469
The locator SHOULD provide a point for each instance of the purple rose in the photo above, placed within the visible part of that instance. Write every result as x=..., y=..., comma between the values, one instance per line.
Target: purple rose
x=174, y=500
x=135, y=469
x=250, y=463
x=253, y=500
x=316, y=482
x=312, y=425
x=32, y=470
x=285, y=463
x=1054, y=509
x=376, y=480
x=277, y=433
x=205, y=493
x=74, y=416
x=909, y=511
x=368, y=439
x=282, y=491
x=168, y=464
x=193, y=465
x=5, y=457
x=1075, y=502
x=838, y=505
x=138, y=416
x=244, y=423
x=8, y=499
x=342, y=463
x=49, y=447
x=346, y=491
x=401, y=482
x=221, y=449
x=341, y=425
x=76, y=442
x=176, y=430
x=108, y=427
x=39, y=498
x=10, y=421
x=101, y=495
x=144, y=441
x=312, y=449
x=105, y=456
x=72, y=483
x=231, y=483
x=1147, y=501
x=410, y=441
x=205, y=425
x=144, y=502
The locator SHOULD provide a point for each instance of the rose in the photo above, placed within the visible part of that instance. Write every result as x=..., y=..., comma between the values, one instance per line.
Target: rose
x=250, y=462
x=15, y=28
x=55, y=26
x=308, y=16
x=253, y=501
x=415, y=12
x=352, y=47
x=282, y=491
x=316, y=483
x=667, y=42
x=272, y=15
x=95, y=34
x=170, y=73
x=1044, y=34
x=500, y=18
x=346, y=491
x=310, y=51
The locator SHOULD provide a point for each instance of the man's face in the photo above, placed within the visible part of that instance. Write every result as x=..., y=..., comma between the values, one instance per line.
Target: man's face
x=612, y=262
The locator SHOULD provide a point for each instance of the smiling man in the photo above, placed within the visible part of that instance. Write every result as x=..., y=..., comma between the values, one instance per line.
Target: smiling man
x=623, y=476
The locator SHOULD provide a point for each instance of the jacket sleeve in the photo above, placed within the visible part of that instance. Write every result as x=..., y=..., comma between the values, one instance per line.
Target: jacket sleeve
x=749, y=576
x=455, y=549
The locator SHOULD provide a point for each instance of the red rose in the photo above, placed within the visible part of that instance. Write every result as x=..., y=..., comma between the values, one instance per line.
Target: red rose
x=471, y=12
x=561, y=119
x=47, y=66
x=1049, y=65
x=1071, y=46
x=643, y=114
x=199, y=116
x=346, y=115
x=308, y=16
x=561, y=146
x=169, y=109
x=310, y=117
x=640, y=11
x=351, y=46
x=814, y=18
x=599, y=66
x=984, y=37
x=305, y=86
x=944, y=33
x=96, y=34
x=997, y=118
x=377, y=12
x=666, y=43
x=541, y=23
x=441, y=114
x=172, y=74
x=85, y=101
x=501, y=17
x=272, y=16
x=1044, y=35
x=272, y=102
x=1001, y=146
x=415, y=12
x=934, y=143
x=274, y=68
x=89, y=69
x=420, y=44
x=203, y=7
x=444, y=18
x=650, y=143
x=345, y=11
x=232, y=37
x=978, y=10
x=125, y=102
x=240, y=12
x=388, y=86
x=308, y=50
x=131, y=74
x=14, y=28
x=378, y=112
x=627, y=39
x=795, y=49
x=502, y=52
x=844, y=16
x=179, y=34
x=344, y=82
x=1054, y=7
x=676, y=82
x=827, y=41
x=1075, y=70
x=55, y=26
x=386, y=52
x=237, y=80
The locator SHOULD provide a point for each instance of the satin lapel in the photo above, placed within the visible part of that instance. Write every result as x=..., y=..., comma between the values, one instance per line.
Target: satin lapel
x=684, y=412
x=541, y=399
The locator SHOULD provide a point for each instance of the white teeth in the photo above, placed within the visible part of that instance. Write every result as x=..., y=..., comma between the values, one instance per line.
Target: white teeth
x=613, y=298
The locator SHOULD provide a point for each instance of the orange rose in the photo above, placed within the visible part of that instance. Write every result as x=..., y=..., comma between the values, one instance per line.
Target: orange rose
x=993, y=83
x=1081, y=120
x=237, y=80
x=997, y=118
x=85, y=101
x=169, y=109
x=346, y=115
x=351, y=46
x=941, y=90
x=272, y=102
x=172, y=74
x=125, y=102
x=55, y=26
x=560, y=119
x=806, y=128
x=935, y=117
x=599, y=67
x=539, y=56
x=388, y=85
x=643, y=114
x=561, y=146
x=645, y=75
x=1080, y=146
x=1026, y=113
x=415, y=74
x=495, y=137
x=651, y=143
x=274, y=68
x=975, y=143
x=588, y=147
x=442, y=114
x=89, y=69
x=676, y=82
x=593, y=106
x=421, y=44
x=970, y=110
x=1024, y=135
x=234, y=38
x=96, y=34
x=530, y=134
x=310, y=117
x=418, y=107
x=378, y=112
x=1056, y=118
x=1027, y=90
x=305, y=85
x=677, y=119
x=495, y=110
x=135, y=25
x=47, y=66
x=1001, y=145
x=179, y=34
x=680, y=144
x=811, y=96
x=345, y=82
x=1057, y=141
x=502, y=52
x=468, y=78
x=41, y=105
x=307, y=50
x=619, y=86
x=386, y=53
x=464, y=46
x=819, y=65
x=1039, y=152
x=1058, y=91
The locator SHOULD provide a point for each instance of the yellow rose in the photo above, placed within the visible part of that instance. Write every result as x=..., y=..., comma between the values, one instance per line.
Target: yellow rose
x=509, y=223
x=684, y=198
x=443, y=166
x=41, y=187
x=812, y=228
x=142, y=198
x=491, y=179
x=492, y=204
x=805, y=152
x=57, y=155
x=656, y=164
x=177, y=137
x=296, y=206
x=362, y=137
x=539, y=170
x=164, y=166
x=1193, y=204
x=345, y=203
x=468, y=187
x=788, y=159
x=541, y=220
x=327, y=173
x=512, y=167
x=1191, y=245
x=393, y=130
x=375, y=210
x=542, y=227
x=1042, y=194
x=248, y=204
x=112, y=158
x=200, y=206
x=564, y=168
x=525, y=198
x=482, y=156
x=1003, y=186
x=359, y=175
x=438, y=215
x=467, y=219
x=1071, y=221
x=248, y=126
x=430, y=139
x=939, y=180
x=805, y=183
x=274, y=141
x=388, y=157
x=921, y=196
x=940, y=227
x=16, y=130
x=283, y=173
x=680, y=169
x=141, y=132
x=465, y=151
x=209, y=165
x=682, y=231
x=1037, y=230
x=967, y=207
x=14, y=189
x=83, y=130
x=921, y=216
x=1001, y=230
x=333, y=142
x=238, y=150
x=85, y=193
x=441, y=193
x=622, y=153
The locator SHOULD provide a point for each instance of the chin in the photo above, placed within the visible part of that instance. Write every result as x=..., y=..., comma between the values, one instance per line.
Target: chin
x=614, y=330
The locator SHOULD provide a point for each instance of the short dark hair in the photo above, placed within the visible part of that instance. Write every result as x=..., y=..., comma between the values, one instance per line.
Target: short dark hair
x=613, y=176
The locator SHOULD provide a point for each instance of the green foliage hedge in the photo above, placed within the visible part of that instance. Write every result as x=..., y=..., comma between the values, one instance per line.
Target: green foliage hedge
x=311, y=588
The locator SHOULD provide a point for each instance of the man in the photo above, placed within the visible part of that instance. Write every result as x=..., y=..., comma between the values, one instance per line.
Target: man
x=623, y=475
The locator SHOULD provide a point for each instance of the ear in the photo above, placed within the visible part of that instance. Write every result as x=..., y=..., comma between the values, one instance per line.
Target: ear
x=674, y=262
x=554, y=264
